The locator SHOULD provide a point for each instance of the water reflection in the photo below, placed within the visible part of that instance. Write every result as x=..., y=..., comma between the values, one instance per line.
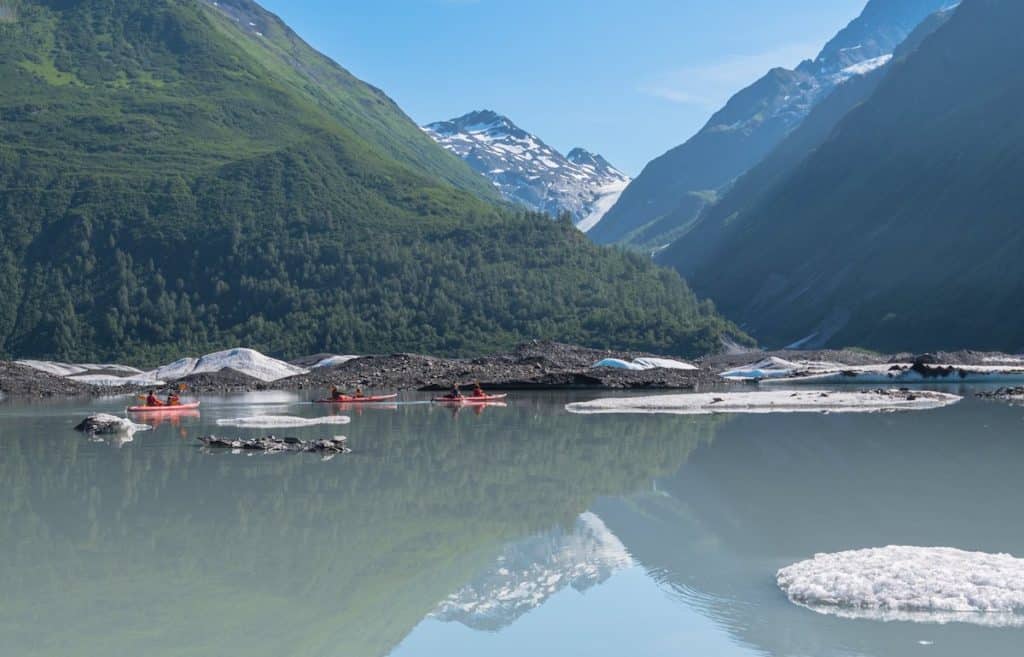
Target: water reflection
x=158, y=549
x=528, y=572
x=770, y=492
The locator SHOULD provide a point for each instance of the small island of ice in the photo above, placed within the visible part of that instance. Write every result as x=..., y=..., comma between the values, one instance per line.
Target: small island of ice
x=281, y=421
x=776, y=401
x=928, y=585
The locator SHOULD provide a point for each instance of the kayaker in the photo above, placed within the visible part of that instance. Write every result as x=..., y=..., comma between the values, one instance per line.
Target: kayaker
x=455, y=393
x=359, y=393
x=335, y=393
x=478, y=391
x=173, y=399
x=151, y=400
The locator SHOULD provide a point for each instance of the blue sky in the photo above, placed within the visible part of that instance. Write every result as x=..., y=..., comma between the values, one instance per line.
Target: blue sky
x=628, y=80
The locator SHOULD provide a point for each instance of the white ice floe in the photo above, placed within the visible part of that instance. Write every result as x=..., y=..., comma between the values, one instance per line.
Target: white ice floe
x=281, y=421
x=334, y=361
x=777, y=401
x=643, y=364
x=929, y=585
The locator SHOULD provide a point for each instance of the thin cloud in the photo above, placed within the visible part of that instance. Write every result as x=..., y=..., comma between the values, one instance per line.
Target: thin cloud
x=710, y=84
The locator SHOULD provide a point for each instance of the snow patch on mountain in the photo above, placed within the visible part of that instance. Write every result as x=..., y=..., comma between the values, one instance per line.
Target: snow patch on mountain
x=529, y=172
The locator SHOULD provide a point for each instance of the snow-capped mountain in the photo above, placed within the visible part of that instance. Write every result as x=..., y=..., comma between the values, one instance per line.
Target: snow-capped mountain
x=673, y=190
x=528, y=171
x=529, y=572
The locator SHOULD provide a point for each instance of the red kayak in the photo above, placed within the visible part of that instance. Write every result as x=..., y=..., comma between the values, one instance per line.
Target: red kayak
x=345, y=399
x=469, y=400
x=164, y=409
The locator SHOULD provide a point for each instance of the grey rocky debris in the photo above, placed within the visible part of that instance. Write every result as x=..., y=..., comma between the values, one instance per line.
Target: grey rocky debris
x=273, y=444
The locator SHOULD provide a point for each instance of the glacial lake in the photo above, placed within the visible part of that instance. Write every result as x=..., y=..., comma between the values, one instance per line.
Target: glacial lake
x=516, y=531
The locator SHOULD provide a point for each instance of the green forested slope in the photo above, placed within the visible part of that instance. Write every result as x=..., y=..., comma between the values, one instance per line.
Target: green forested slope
x=173, y=180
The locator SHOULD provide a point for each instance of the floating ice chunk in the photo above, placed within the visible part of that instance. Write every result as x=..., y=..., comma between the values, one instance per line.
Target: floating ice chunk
x=281, y=421
x=106, y=424
x=776, y=401
x=928, y=585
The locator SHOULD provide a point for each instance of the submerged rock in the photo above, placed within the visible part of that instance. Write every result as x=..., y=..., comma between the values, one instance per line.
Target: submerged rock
x=273, y=444
x=108, y=425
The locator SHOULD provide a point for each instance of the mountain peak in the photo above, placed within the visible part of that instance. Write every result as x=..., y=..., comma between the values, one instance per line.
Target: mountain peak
x=529, y=172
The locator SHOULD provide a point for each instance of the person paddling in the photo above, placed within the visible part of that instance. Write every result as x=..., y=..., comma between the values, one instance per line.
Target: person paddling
x=359, y=393
x=173, y=399
x=478, y=391
x=151, y=399
x=455, y=393
x=335, y=393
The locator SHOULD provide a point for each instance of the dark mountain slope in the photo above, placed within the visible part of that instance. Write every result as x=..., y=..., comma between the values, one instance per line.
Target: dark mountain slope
x=903, y=230
x=699, y=245
x=170, y=182
x=673, y=189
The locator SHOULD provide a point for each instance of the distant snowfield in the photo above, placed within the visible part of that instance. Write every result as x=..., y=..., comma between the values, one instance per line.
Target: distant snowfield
x=918, y=584
x=776, y=401
x=281, y=421
x=606, y=198
x=246, y=361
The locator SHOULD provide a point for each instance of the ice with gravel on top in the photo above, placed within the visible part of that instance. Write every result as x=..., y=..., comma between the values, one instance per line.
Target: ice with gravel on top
x=919, y=584
x=281, y=421
x=776, y=401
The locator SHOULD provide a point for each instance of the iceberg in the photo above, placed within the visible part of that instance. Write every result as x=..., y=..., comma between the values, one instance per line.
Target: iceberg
x=776, y=401
x=927, y=585
x=281, y=421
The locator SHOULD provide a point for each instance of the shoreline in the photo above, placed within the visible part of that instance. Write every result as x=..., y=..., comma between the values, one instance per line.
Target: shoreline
x=530, y=366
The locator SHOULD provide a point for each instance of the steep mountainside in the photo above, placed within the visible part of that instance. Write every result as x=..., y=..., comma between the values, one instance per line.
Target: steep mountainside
x=698, y=246
x=529, y=172
x=673, y=189
x=902, y=229
x=181, y=175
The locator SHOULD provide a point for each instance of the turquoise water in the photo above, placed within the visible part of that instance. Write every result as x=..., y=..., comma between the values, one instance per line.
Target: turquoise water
x=499, y=531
